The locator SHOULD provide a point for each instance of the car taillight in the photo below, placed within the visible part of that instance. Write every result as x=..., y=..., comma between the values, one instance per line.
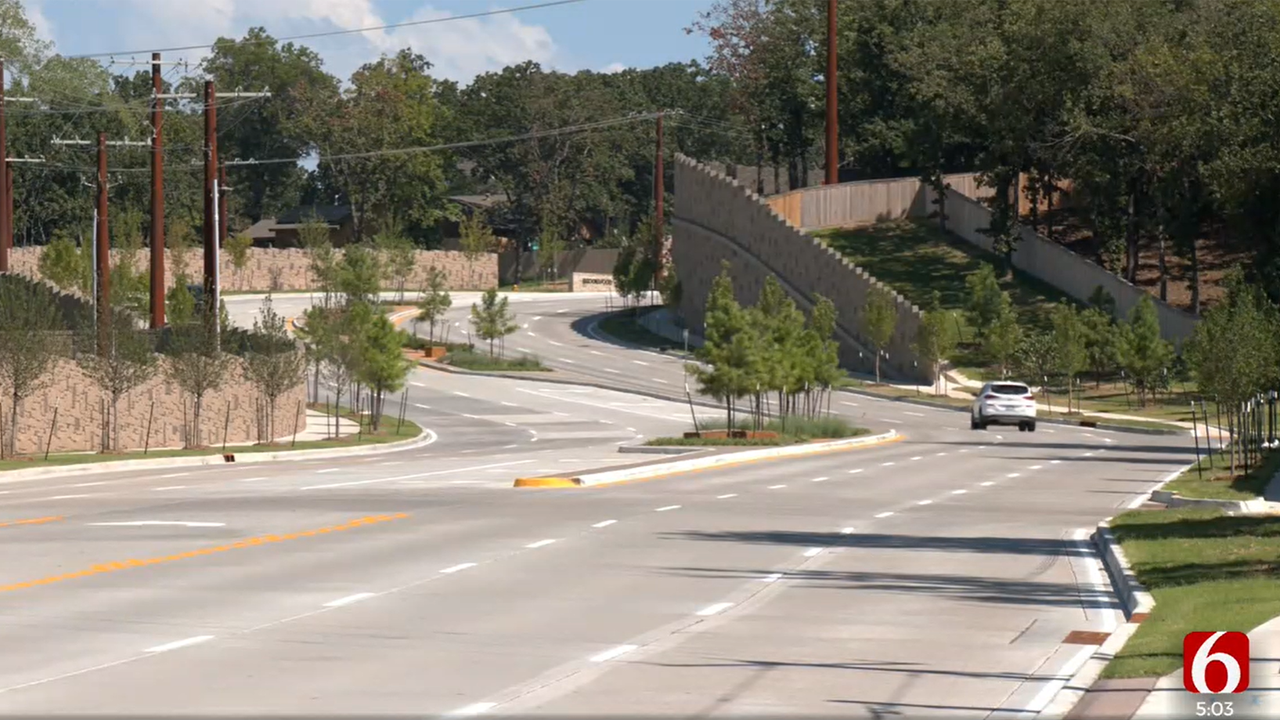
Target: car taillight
x=989, y=396
x=1028, y=397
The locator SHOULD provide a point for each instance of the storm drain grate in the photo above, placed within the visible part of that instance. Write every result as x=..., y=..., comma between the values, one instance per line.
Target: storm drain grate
x=1085, y=637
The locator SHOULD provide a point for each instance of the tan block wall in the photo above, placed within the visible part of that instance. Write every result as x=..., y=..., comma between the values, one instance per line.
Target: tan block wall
x=271, y=269
x=715, y=218
x=79, y=404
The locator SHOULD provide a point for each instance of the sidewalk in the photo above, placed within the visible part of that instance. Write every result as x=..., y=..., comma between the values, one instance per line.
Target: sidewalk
x=320, y=427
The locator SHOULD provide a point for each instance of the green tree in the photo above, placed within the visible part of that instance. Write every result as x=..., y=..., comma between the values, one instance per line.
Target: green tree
x=880, y=319
x=730, y=350
x=359, y=274
x=237, y=247
x=492, y=318
x=476, y=239
x=180, y=304
x=435, y=302
x=128, y=360
x=1037, y=357
x=1101, y=343
x=322, y=260
x=383, y=366
x=1002, y=340
x=196, y=364
x=317, y=332
x=1070, y=344
x=64, y=265
x=1144, y=354
x=986, y=301
x=821, y=348
x=273, y=362
x=936, y=337
x=31, y=342
x=399, y=258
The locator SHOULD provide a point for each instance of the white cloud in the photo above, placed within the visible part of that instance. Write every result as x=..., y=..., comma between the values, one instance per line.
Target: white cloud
x=614, y=67
x=458, y=50
x=44, y=28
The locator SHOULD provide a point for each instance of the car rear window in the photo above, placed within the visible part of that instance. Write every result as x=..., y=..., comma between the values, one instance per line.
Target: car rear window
x=1008, y=389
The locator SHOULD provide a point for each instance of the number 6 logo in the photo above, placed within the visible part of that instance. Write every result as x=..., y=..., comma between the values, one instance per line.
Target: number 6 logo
x=1215, y=662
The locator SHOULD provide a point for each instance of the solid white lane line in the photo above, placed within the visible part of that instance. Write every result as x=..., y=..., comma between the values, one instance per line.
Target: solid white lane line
x=416, y=475
x=67, y=497
x=327, y=470
x=392, y=462
x=988, y=483
x=659, y=380
x=885, y=514
x=605, y=523
x=456, y=568
x=91, y=484
x=540, y=543
x=668, y=507
x=179, y=644
x=850, y=404
x=171, y=487
x=959, y=492
x=460, y=394
x=611, y=370
x=473, y=709
x=812, y=552
x=855, y=470
x=608, y=655
x=174, y=475
x=508, y=404
x=725, y=497
x=818, y=479
x=908, y=412
x=1046, y=695
x=161, y=522
x=713, y=609
x=925, y=502
x=254, y=479
x=771, y=578
x=349, y=599
x=775, y=487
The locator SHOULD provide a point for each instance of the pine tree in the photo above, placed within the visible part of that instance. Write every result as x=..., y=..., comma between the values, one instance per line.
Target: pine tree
x=1144, y=353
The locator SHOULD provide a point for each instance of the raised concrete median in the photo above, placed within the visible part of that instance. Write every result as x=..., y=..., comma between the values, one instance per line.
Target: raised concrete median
x=663, y=468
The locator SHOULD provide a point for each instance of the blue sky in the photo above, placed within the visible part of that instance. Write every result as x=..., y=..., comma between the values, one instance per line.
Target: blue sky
x=594, y=34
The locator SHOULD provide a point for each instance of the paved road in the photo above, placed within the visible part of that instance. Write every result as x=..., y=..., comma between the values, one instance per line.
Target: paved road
x=938, y=575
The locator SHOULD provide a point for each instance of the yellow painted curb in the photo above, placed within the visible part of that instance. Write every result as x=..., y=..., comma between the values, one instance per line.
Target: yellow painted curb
x=546, y=482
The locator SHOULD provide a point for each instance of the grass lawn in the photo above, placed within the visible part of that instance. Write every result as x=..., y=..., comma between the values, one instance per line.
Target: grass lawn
x=1215, y=480
x=1206, y=570
x=386, y=434
x=794, y=430
x=624, y=326
x=915, y=258
x=538, y=286
x=469, y=359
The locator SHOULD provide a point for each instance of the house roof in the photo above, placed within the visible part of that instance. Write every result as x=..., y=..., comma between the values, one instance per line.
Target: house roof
x=480, y=201
x=331, y=214
x=264, y=229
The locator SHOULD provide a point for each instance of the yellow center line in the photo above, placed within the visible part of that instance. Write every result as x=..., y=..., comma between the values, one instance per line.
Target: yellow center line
x=238, y=545
x=31, y=521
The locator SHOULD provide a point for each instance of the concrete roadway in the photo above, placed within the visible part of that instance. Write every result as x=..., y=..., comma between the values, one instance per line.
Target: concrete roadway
x=420, y=582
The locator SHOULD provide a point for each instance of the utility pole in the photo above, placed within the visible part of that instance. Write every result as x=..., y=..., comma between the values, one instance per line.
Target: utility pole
x=210, y=204
x=157, y=197
x=659, y=217
x=103, y=246
x=6, y=222
x=833, y=154
x=223, y=221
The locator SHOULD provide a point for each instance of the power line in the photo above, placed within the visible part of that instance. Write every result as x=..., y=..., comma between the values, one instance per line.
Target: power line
x=332, y=33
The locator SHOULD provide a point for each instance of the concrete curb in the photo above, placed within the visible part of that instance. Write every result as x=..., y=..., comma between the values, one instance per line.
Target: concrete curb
x=1246, y=507
x=658, y=449
x=424, y=438
x=1047, y=421
x=1137, y=603
x=649, y=472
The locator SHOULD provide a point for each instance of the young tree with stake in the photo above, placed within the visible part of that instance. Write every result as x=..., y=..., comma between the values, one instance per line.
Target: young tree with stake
x=129, y=361
x=880, y=319
x=273, y=362
x=30, y=344
x=435, y=302
x=197, y=365
x=383, y=367
x=492, y=318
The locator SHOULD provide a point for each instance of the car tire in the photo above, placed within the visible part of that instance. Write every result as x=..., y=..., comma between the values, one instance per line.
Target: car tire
x=974, y=424
x=1022, y=427
x=1031, y=427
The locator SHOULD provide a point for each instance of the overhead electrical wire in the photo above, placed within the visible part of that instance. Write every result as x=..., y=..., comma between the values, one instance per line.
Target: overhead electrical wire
x=537, y=134
x=331, y=33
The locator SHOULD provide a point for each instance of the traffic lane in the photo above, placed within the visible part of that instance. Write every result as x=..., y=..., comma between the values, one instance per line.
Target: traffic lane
x=467, y=630
x=958, y=607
